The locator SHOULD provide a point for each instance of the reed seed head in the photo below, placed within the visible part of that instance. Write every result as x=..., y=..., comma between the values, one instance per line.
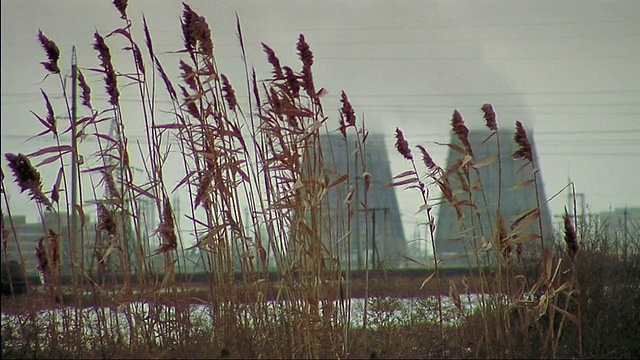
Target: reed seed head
x=137, y=55
x=51, y=118
x=461, y=130
x=41, y=256
x=190, y=104
x=306, y=56
x=570, y=236
x=490, y=117
x=347, y=115
x=85, y=90
x=54, y=248
x=166, y=229
x=347, y=112
x=104, y=54
x=188, y=75
x=274, y=61
x=27, y=178
x=121, y=5
x=524, y=150
x=229, y=93
x=426, y=158
x=106, y=220
x=52, y=51
x=402, y=145
x=196, y=33
x=292, y=81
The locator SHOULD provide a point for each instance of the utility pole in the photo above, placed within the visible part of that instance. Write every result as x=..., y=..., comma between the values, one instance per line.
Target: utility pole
x=376, y=252
x=73, y=233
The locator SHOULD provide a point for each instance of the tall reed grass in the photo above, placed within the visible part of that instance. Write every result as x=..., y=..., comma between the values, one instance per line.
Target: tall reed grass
x=262, y=196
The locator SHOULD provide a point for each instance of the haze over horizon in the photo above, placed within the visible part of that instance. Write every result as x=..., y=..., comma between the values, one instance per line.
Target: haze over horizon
x=567, y=70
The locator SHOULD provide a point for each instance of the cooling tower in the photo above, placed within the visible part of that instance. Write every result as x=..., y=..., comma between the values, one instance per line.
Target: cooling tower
x=376, y=233
x=457, y=239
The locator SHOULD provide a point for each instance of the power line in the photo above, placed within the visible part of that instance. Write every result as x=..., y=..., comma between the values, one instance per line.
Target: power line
x=449, y=26
x=472, y=58
x=519, y=93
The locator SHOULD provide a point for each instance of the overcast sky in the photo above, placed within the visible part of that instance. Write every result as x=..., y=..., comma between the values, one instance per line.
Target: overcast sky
x=569, y=70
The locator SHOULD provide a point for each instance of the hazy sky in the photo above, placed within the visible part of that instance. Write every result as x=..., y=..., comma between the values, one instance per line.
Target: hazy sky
x=569, y=70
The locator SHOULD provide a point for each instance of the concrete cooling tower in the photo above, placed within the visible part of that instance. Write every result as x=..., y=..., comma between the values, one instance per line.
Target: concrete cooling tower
x=456, y=240
x=377, y=234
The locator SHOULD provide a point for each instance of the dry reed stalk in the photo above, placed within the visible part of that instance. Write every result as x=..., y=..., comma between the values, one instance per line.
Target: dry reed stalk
x=455, y=296
x=504, y=245
x=5, y=232
x=402, y=145
x=525, y=152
